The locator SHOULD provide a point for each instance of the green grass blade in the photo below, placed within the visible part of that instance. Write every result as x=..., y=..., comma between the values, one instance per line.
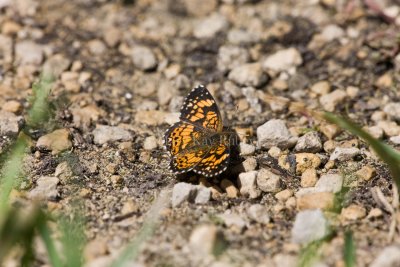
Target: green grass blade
x=11, y=171
x=73, y=239
x=44, y=233
x=40, y=110
x=349, y=251
x=390, y=156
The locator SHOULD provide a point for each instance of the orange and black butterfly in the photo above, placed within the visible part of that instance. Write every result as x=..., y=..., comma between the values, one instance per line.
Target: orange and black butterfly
x=197, y=142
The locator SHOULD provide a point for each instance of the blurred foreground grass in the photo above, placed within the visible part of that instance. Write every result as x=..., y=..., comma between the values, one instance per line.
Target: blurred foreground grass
x=20, y=225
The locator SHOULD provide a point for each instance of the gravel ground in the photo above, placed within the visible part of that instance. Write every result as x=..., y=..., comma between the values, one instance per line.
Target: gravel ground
x=122, y=70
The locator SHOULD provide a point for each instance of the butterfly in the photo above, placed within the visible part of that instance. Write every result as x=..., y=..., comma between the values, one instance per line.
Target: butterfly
x=197, y=142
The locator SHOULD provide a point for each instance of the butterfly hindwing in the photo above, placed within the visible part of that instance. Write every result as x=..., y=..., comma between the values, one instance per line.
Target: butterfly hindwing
x=200, y=108
x=215, y=162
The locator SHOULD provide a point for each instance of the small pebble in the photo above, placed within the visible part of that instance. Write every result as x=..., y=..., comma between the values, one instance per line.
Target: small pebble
x=9, y=123
x=230, y=189
x=274, y=133
x=310, y=142
x=353, y=212
x=150, y=143
x=204, y=240
x=309, y=226
x=246, y=149
x=331, y=100
x=258, y=213
x=366, y=172
x=309, y=178
x=388, y=257
x=284, y=195
x=316, y=200
x=321, y=88
x=306, y=161
x=247, y=182
x=250, y=74
x=330, y=183
x=210, y=26
x=268, y=181
x=56, y=141
x=143, y=58
x=46, y=188
x=182, y=192
x=103, y=134
x=283, y=60
x=203, y=195
x=344, y=153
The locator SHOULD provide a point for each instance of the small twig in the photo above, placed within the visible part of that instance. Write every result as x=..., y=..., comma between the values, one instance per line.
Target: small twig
x=372, y=5
x=395, y=206
x=380, y=198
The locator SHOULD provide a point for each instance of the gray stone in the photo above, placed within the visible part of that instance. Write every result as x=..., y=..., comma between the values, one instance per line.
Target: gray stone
x=175, y=104
x=97, y=47
x=246, y=149
x=310, y=142
x=395, y=140
x=55, y=65
x=247, y=184
x=230, y=56
x=233, y=220
x=283, y=60
x=332, y=32
x=268, y=181
x=258, y=213
x=344, y=153
x=143, y=58
x=274, y=133
x=182, y=192
x=150, y=143
x=331, y=100
x=103, y=134
x=393, y=110
x=330, y=183
x=203, y=195
x=309, y=226
x=210, y=26
x=388, y=257
x=28, y=52
x=165, y=92
x=63, y=171
x=46, y=188
x=204, y=240
x=240, y=36
x=252, y=98
x=250, y=74
x=9, y=123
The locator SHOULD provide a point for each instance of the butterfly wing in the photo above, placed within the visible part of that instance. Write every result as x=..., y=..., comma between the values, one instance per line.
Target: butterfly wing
x=182, y=140
x=200, y=109
x=215, y=162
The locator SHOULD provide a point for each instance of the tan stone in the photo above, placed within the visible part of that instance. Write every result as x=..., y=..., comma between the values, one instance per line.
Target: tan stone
x=309, y=178
x=229, y=188
x=317, y=200
x=366, y=173
x=56, y=141
x=306, y=161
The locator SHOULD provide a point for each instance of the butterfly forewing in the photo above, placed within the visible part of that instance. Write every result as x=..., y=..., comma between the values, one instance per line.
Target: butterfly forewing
x=200, y=108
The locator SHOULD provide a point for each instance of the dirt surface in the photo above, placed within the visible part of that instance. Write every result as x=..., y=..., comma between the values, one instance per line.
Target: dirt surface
x=129, y=65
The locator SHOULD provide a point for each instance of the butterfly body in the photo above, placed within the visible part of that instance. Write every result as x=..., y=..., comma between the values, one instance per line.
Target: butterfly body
x=197, y=142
